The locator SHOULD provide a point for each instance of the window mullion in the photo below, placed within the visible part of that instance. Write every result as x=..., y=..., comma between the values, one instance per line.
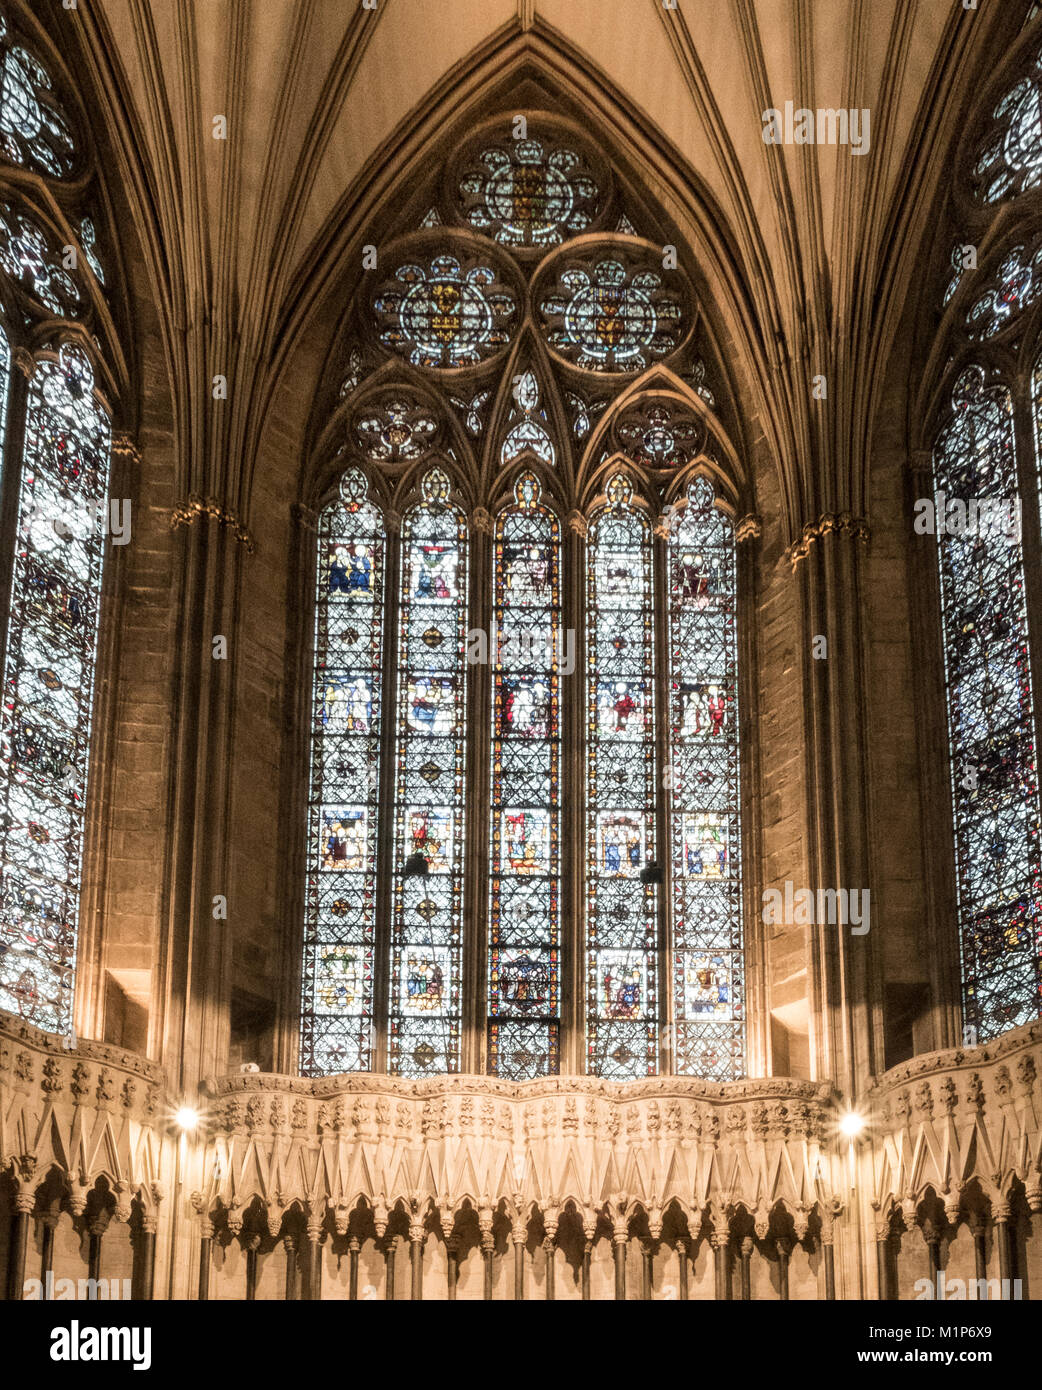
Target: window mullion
x=388, y=781
x=476, y=849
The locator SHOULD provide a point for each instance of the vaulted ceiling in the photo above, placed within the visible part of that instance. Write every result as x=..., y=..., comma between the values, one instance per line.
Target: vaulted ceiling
x=807, y=247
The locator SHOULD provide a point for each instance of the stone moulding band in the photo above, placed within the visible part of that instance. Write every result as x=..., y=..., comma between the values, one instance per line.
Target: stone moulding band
x=188, y=512
x=827, y=524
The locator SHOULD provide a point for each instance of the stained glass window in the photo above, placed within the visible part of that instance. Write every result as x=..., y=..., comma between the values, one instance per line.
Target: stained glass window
x=33, y=129
x=1014, y=286
x=48, y=688
x=612, y=316
x=525, y=194
x=445, y=313
x=660, y=436
x=31, y=263
x=697, y=378
x=88, y=240
x=621, y=794
x=524, y=304
x=336, y=1031
x=527, y=432
x=427, y=931
x=708, y=969
x=524, y=925
x=473, y=411
x=395, y=430
x=990, y=712
x=1010, y=160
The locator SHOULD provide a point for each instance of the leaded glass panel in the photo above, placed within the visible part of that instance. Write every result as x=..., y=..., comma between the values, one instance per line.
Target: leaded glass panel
x=621, y=910
x=30, y=262
x=527, y=193
x=990, y=716
x=427, y=872
x=33, y=129
x=524, y=926
x=337, y=1015
x=707, y=946
x=445, y=312
x=48, y=688
x=615, y=315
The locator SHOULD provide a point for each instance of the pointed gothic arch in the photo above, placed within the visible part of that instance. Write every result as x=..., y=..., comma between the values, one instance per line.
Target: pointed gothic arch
x=547, y=364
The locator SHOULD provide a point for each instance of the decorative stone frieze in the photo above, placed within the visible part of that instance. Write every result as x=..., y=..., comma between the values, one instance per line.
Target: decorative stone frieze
x=615, y=1152
x=951, y=1136
x=947, y=1119
x=88, y=1113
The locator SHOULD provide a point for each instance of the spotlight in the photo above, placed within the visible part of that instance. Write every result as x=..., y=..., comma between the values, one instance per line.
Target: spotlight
x=416, y=866
x=851, y=1124
x=186, y=1119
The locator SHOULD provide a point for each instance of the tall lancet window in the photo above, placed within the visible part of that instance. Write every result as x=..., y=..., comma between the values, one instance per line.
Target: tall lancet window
x=524, y=988
x=54, y=521
x=519, y=414
x=344, y=804
x=707, y=947
x=622, y=925
x=430, y=792
x=985, y=438
x=990, y=715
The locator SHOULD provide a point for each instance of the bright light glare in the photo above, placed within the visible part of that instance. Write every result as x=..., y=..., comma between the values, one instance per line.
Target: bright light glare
x=851, y=1124
x=186, y=1118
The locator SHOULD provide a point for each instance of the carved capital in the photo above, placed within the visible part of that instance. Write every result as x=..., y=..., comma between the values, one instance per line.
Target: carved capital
x=577, y=524
x=748, y=528
x=125, y=447
x=481, y=521
x=24, y=361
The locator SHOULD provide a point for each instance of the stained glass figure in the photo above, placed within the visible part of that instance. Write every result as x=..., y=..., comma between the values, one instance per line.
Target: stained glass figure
x=612, y=316
x=394, y=429
x=990, y=716
x=1014, y=285
x=527, y=424
x=524, y=924
x=660, y=435
x=33, y=129
x=49, y=686
x=31, y=263
x=337, y=1015
x=427, y=926
x=529, y=194
x=707, y=947
x=621, y=791
x=443, y=313
x=1010, y=161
